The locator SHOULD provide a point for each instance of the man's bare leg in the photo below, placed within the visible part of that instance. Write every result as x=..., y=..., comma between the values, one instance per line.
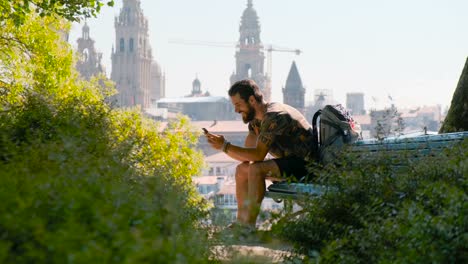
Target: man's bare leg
x=242, y=176
x=257, y=173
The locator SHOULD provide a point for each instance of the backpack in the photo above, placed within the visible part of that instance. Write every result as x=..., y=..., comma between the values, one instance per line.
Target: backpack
x=337, y=128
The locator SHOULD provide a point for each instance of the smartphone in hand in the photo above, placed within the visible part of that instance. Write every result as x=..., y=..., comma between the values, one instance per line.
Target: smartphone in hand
x=205, y=131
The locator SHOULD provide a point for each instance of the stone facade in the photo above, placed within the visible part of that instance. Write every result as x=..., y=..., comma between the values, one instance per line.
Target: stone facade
x=355, y=103
x=139, y=79
x=250, y=57
x=89, y=63
x=199, y=108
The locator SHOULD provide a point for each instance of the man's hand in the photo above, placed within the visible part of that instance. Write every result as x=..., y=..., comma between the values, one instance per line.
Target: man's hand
x=252, y=152
x=216, y=141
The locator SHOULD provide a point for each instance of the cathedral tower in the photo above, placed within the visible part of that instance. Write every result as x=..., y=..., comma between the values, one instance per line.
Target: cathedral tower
x=196, y=87
x=294, y=91
x=138, y=78
x=158, y=83
x=89, y=64
x=249, y=55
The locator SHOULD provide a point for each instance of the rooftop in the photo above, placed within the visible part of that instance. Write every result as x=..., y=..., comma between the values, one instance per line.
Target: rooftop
x=362, y=119
x=220, y=157
x=207, y=180
x=185, y=100
x=229, y=187
x=221, y=127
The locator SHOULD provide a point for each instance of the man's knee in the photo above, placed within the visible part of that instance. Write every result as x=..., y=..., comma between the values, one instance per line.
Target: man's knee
x=256, y=170
x=242, y=171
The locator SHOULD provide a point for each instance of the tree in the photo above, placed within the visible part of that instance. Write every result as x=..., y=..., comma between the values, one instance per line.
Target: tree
x=80, y=181
x=71, y=10
x=457, y=116
x=387, y=122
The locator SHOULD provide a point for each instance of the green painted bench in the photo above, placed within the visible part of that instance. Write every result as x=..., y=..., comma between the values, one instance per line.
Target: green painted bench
x=414, y=147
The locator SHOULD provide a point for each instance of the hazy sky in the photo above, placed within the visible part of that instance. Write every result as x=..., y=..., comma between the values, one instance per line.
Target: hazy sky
x=412, y=50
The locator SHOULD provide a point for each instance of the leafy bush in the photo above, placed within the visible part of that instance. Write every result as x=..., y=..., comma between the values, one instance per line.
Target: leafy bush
x=81, y=182
x=377, y=214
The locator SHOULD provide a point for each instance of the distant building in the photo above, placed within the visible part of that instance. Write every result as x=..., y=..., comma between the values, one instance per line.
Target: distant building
x=199, y=108
x=322, y=97
x=196, y=89
x=293, y=92
x=427, y=118
x=198, y=105
x=225, y=200
x=139, y=80
x=394, y=122
x=208, y=186
x=158, y=83
x=220, y=164
x=365, y=122
x=387, y=122
x=89, y=63
x=355, y=103
x=249, y=55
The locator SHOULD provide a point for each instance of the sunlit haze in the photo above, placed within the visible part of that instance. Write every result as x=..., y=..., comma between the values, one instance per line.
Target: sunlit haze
x=410, y=51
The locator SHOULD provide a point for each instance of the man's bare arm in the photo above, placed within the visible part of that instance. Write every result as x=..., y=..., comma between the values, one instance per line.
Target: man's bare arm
x=254, y=150
x=257, y=153
x=251, y=140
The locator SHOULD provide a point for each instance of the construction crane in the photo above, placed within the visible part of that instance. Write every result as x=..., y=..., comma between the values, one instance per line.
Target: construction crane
x=269, y=48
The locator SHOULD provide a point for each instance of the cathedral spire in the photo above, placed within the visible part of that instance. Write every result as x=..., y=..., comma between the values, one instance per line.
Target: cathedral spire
x=294, y=91
x=250, y=26
x=85, y=31
x=293, y=82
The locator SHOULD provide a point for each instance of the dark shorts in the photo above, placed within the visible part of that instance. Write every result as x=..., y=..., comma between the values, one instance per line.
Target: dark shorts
x=292, y=167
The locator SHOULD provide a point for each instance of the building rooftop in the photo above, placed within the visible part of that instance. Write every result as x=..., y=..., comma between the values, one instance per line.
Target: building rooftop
x=229, y=187
x=362, y=119
x=220, y=157
x=424, y=110
x=221, y=127
x=207, y=180
x=200, y=99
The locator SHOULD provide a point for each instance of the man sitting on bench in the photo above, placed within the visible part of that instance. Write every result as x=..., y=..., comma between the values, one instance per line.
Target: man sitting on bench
x=274, y=128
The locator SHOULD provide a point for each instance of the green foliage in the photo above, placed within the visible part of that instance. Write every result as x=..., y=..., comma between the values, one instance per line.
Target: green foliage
x=388, y=122
x=81, y=182
x=379, y=214
x=457, y=116
x=17, y=11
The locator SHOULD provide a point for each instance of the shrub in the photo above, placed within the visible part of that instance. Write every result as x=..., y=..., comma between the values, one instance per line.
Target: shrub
x=81, y=182
x=377, y=214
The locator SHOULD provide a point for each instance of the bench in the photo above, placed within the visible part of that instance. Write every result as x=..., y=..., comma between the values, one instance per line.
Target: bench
x=415, y=146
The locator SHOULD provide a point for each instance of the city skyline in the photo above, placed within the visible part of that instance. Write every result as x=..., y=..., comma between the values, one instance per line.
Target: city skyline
x=411, y=52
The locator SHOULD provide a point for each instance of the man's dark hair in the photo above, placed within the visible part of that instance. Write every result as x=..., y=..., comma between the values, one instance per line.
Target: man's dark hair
x=246, y=88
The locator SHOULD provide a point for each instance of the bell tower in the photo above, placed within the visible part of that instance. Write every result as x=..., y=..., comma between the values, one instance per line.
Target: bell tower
x=133, y=68
x=250, y=58
x=89, y=64
x=196, y=87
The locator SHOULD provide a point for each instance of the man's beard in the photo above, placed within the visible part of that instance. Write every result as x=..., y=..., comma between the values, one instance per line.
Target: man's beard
x=250, y=114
